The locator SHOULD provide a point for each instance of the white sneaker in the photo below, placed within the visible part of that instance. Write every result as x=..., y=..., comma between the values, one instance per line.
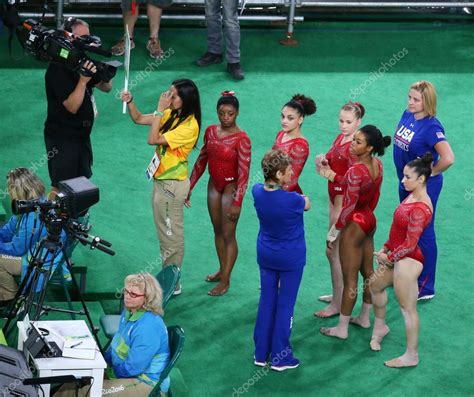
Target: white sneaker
x=259, y=363
x=425, y=297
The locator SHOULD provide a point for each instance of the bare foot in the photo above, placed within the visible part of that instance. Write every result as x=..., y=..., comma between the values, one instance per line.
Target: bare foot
x=407, y=360
x=361, y=322
x=328, y=311
x=377, y=337
x=335, y=332
x=325, y=298
x=219, y=290
x=214, y=278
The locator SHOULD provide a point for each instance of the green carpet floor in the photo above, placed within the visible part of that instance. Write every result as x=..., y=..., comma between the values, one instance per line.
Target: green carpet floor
x=333, y=61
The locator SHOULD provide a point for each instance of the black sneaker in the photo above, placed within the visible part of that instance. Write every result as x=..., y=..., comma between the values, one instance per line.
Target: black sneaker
x=235, y=70
x=209, y=59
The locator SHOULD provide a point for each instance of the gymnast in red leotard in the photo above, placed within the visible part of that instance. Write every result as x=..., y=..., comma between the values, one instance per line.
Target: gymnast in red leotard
x=401, y=257
x=291, y=140
x=356, y=224
x=226, y=151
x=340, y=160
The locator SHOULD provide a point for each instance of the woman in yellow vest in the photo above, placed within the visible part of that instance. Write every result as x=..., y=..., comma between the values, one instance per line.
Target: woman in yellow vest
x=175, y=126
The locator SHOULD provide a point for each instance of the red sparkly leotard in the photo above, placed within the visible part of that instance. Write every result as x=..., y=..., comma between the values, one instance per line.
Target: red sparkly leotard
x=340, y=160
x=298, y=150
x=409, y=221
x=229, y=161
x=360, y=198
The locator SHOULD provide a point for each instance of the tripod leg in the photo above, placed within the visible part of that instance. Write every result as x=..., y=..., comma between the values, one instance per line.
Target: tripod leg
x=24, y=288
x=83, y=303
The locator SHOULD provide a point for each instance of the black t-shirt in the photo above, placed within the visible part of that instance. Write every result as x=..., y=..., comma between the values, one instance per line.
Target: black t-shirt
x=60, y=124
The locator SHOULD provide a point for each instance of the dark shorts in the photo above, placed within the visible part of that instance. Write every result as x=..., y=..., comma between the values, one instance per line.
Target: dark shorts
x=127, y=4
x=68, y=159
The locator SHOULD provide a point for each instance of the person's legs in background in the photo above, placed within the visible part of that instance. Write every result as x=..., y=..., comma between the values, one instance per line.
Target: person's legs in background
x=214, y=34
x=154, y=19
x=232, y=37
x=130, y=16
x=10, y=266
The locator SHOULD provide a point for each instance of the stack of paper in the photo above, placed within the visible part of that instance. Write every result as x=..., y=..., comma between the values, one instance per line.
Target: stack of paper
x=79, y=347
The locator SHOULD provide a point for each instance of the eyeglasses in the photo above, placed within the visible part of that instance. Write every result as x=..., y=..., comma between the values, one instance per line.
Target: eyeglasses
x=131, y=294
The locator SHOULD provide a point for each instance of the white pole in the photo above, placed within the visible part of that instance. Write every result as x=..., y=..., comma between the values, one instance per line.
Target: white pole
x=126, y=65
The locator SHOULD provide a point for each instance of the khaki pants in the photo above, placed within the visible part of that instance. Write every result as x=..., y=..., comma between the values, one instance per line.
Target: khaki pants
x=168, y=202
x=111, y=387
x=10, y=266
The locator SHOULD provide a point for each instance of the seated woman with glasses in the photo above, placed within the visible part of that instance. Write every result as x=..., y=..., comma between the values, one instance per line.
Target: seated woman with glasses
x=20, y=234
x=139, y=351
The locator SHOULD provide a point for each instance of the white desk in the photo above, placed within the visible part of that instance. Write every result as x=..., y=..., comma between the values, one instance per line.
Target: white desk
x=58, y=366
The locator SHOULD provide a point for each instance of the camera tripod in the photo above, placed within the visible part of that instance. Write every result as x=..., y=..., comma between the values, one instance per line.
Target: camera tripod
x=29, y=300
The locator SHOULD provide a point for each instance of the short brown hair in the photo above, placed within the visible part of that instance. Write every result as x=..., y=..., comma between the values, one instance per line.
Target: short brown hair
x=428, y=93
x=274, y=161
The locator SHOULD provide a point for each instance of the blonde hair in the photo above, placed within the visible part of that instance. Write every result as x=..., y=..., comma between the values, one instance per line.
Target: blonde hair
x=24, y=184
x=428, y=93
x=356, y=108
x=152, y=290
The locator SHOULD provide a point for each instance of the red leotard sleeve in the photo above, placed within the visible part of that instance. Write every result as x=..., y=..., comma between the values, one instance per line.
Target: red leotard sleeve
x=353, y=179
x=299, y=153
x=339, y=179
x=244, y=150
x=200, y=164
x=417, y=222
x=351, y=160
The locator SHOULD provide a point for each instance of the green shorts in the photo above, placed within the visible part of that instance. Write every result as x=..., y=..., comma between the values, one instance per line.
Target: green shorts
x=127, y=4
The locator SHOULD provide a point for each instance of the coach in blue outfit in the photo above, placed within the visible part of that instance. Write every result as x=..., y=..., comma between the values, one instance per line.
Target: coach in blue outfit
x=420, y=131
x=281, y=255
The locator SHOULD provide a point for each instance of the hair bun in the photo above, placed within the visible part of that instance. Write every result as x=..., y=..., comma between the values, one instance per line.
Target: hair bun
x=307, y=103
x=387, y=141
x=427, y=158
x=361, y=107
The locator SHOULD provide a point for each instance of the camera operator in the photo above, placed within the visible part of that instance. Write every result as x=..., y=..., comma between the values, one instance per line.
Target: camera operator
x=71, y=113
x=20, y=235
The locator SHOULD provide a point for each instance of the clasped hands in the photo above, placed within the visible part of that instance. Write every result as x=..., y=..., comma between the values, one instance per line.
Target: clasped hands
x=381, y=257
x=323, y=168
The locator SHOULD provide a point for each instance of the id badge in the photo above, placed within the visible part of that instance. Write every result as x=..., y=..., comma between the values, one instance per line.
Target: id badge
x=152, y=167
x=94, y=107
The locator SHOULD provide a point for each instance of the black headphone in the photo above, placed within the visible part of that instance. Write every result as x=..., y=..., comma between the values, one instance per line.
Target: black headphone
x=69, y=23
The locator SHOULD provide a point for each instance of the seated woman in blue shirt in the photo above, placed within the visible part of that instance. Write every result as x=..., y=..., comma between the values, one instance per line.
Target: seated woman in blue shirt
x=21, y=233
x=281, y=255
x=139, y=351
